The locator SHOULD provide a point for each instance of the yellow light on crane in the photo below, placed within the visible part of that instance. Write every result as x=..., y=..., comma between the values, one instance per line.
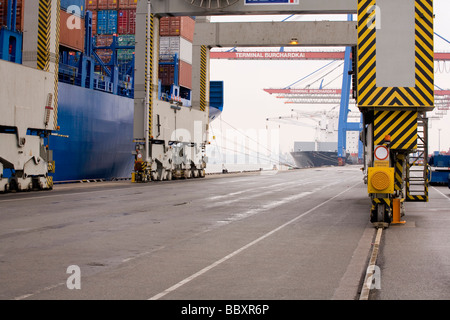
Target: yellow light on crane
x=294, y=41
x=380, y=180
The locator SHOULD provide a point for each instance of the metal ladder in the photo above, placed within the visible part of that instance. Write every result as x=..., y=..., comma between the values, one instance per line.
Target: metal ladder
x=417, y=164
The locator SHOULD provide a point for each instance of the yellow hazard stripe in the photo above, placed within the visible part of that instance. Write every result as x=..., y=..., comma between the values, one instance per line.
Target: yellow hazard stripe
x=49, y=180
x=399, y=172
x=43, y=50
x=203, y=77
x=55, y=102
x=386, y=201
x=149, y=68
x=401, y=126
x=422, y=94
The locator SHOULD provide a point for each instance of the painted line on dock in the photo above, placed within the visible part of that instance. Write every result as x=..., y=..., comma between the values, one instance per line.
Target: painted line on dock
x=238, y=251
x=367, y=284
x=444, y=195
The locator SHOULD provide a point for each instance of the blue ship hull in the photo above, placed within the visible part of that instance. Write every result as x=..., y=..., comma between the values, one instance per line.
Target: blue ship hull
x=100, y=130
x=99, y=127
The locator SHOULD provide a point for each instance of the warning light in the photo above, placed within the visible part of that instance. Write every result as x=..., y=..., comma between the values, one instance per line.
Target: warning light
x=380, y=180
x=294, y=41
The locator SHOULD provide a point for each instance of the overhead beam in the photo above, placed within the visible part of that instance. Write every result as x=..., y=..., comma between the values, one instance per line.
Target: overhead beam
x=296, y=55
x=276, y=34
x=185, y=8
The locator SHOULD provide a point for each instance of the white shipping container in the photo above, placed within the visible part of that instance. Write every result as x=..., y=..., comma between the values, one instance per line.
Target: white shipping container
x=168, y=46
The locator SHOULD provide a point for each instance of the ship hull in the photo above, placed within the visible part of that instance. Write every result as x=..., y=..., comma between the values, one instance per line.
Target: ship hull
x=308, y=159
x=99, y=127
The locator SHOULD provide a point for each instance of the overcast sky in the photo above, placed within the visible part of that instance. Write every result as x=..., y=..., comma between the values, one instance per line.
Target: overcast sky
x=247, y=106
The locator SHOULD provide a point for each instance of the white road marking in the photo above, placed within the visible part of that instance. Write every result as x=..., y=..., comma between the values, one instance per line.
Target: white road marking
x=445, y=196
x=218, y=262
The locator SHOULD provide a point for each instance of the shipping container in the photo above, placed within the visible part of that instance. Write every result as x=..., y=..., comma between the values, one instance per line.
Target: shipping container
x=166, y=74
x=169, y=46
x=94, y=23
x=91, y=5
x=105, y=55
x=185, y=74
x=19, y=14
x=126, y=21
x=72, y=38
x=75, y=7
x=126, y=40
x=177, y=26
x=102, y=4
x=107, y=22
x=103, y=40
x=127, y=4
x=113, y=4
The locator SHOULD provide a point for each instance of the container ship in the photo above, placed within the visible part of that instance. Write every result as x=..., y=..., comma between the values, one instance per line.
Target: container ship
x=307, y=154
x=96, y=89
x=323, y=151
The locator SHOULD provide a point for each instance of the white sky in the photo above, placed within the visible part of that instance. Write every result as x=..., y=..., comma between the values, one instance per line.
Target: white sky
x=247, y=106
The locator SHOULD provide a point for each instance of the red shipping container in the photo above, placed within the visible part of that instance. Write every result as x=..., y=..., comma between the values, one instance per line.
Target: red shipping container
x=113, y=4
x=91, y=5
x=132, y=4
x=123, y=22
x=126, y=4
x=103, y=40
x=94, y=22
x=72, y=38
x=164, y=29
x=166, y=74
x=185, y=74
x=126, y=21
x=177, y=26
x=102, y=4
x=19, y=14
x=105, y=55
x=132, y=21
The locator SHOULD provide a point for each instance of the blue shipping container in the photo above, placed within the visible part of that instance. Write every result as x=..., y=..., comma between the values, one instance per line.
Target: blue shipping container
x=107, y=22
x=76, y=7
x=112, y=21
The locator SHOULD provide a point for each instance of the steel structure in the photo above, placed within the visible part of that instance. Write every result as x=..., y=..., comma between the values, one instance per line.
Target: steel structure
x=393, y=91
x=295, y=55
x=160, y=152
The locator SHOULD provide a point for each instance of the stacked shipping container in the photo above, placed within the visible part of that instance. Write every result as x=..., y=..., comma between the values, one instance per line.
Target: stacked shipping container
x=19, y=14
x=118, y=17
x=176, y=36
x=113, y=16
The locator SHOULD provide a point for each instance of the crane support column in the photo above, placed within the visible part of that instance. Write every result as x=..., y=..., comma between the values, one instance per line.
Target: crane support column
x=169, y=137
x=395, y=89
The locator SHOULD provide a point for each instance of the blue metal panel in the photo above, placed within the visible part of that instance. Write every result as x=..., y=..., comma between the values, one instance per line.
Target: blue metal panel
x=10, y=46
x=216, y=94
x=100, y=130
x=343, y=112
